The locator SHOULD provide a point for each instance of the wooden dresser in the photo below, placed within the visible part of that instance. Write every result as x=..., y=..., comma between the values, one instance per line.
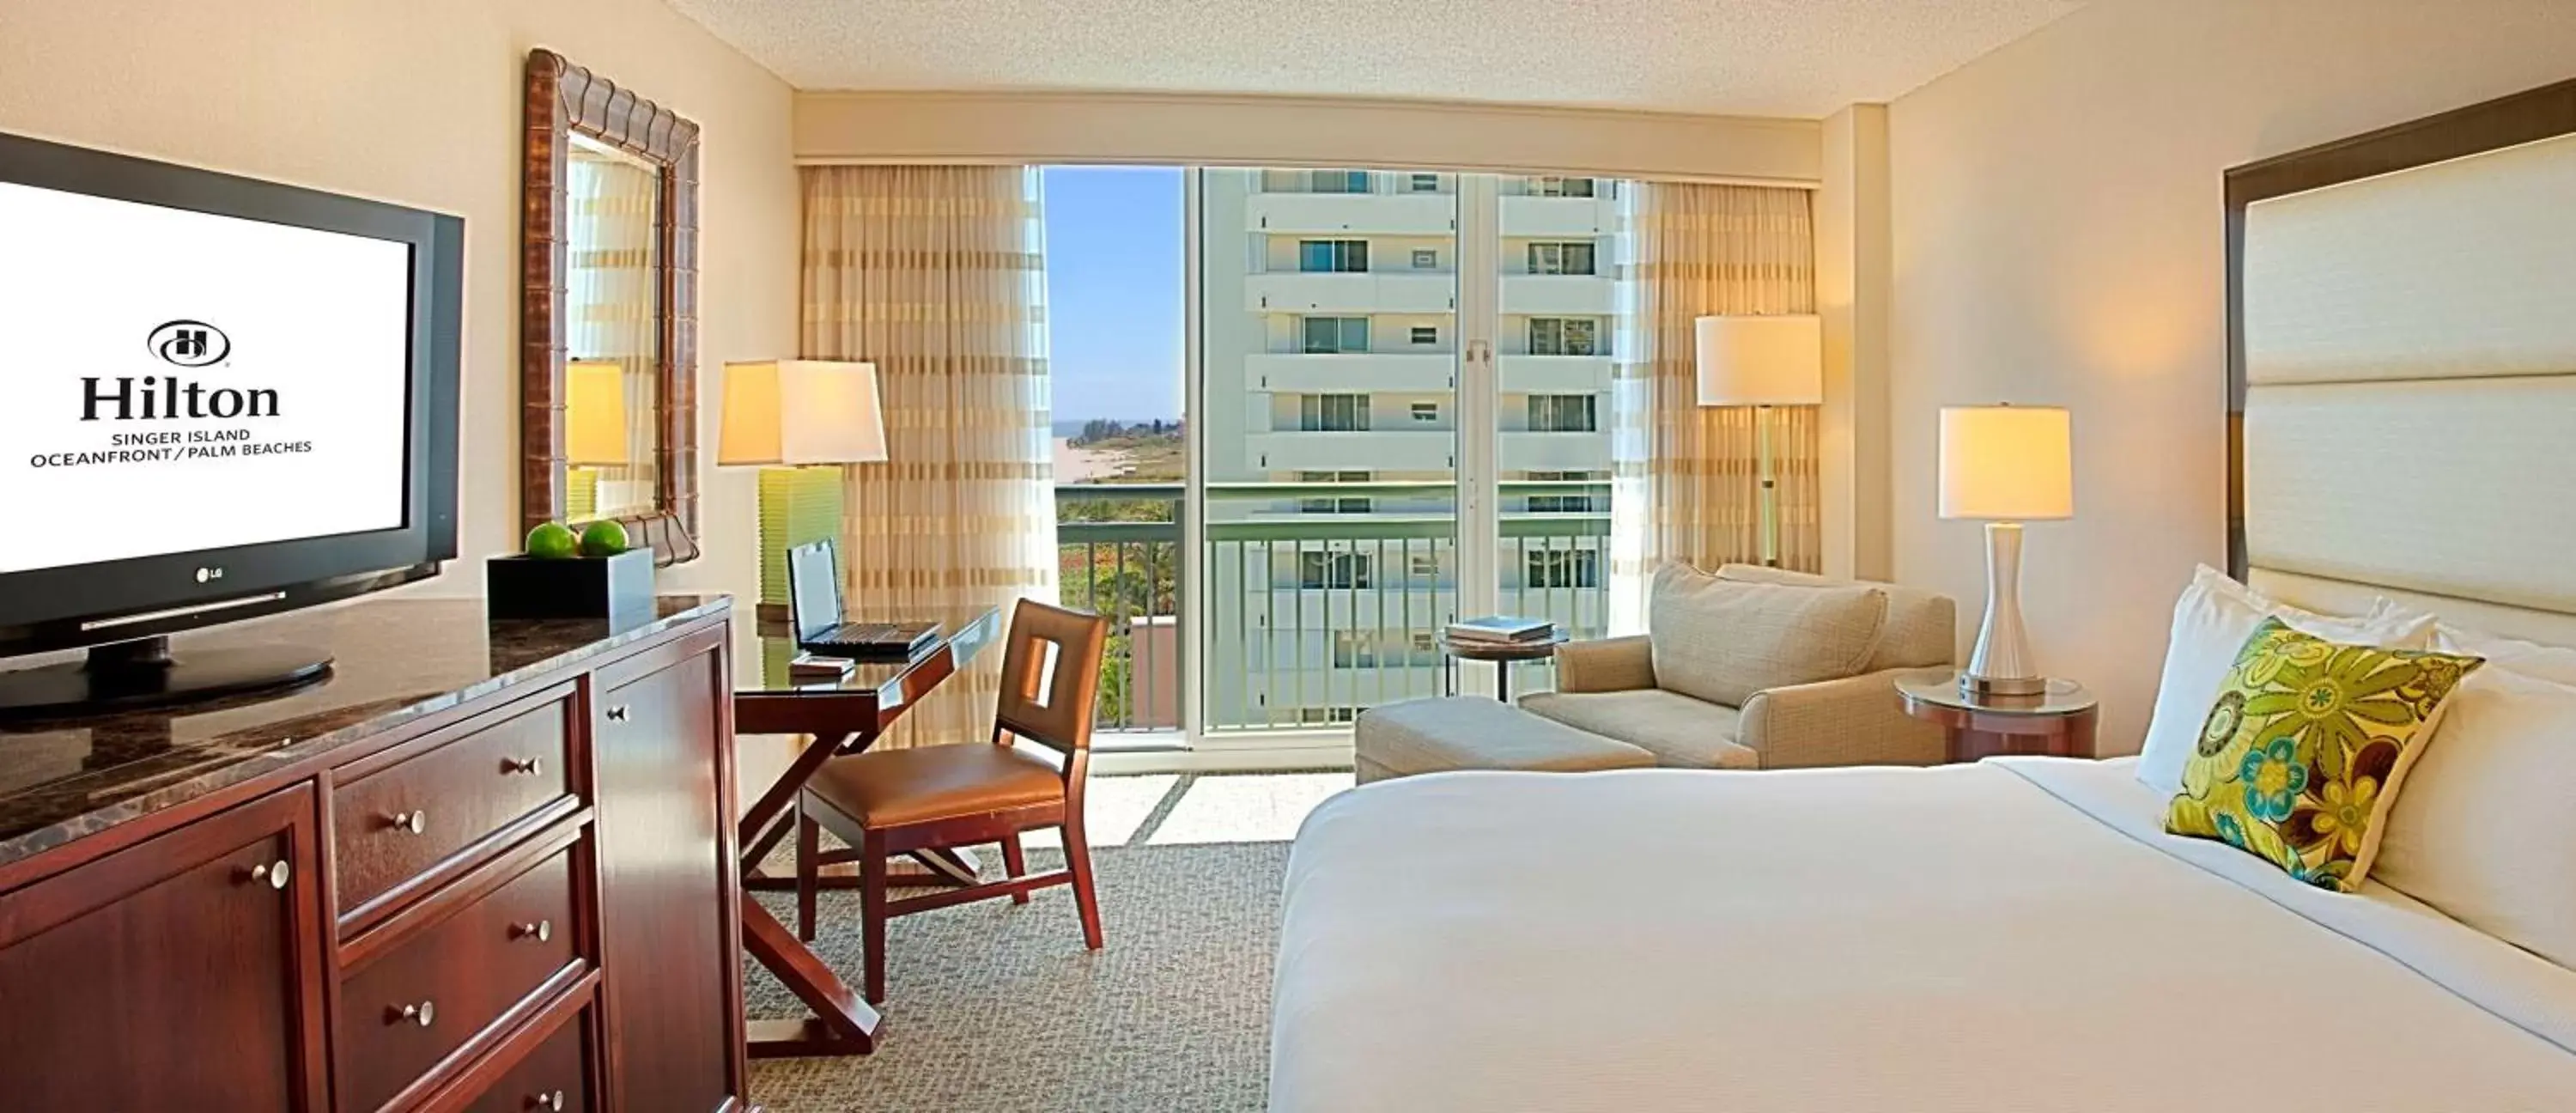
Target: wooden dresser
x=484, y=866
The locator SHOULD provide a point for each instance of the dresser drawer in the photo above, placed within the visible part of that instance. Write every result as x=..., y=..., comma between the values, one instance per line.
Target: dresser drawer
x=410, y=1007
x=554, y=1077
x=394, y=824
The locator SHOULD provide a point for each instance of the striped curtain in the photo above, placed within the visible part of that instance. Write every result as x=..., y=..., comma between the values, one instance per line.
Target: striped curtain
x=936, y=275
x=614, y=310
x=1684, y=480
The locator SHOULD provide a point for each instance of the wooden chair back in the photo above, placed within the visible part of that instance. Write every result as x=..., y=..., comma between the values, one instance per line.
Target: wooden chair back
x=1050, y=676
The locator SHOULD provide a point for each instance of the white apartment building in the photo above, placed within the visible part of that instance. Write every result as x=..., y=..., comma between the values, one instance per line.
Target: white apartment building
x=1332, y=426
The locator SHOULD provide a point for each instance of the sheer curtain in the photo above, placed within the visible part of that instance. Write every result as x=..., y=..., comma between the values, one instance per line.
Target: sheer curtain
x=1684, y=480
x=613, y=299
x=936, y=275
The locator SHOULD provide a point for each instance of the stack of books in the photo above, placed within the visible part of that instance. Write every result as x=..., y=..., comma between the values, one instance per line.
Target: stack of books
x=1502, y=630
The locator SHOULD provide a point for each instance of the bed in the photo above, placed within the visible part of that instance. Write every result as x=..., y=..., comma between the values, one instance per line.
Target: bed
x=2020, y=934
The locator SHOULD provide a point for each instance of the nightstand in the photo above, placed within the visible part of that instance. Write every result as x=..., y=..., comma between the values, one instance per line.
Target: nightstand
x=2058, y=723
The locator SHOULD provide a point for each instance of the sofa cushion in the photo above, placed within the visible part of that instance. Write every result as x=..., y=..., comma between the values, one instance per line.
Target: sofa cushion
x=1922, y=629
x=1723, y=640
x=1678, y=730
x=1471, y=732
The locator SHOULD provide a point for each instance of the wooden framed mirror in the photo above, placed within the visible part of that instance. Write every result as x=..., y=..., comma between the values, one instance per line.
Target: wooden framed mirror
x=608, y=311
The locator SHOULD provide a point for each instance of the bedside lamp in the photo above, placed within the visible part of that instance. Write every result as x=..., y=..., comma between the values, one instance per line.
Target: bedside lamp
x=2005, y=465
x=786, y=416
x=1762, y=362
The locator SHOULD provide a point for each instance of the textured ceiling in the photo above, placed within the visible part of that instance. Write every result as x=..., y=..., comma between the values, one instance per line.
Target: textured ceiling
x=1748, y=57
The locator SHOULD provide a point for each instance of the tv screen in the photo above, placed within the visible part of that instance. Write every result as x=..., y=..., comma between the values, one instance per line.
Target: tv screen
x=179, y=381
x=220, y=398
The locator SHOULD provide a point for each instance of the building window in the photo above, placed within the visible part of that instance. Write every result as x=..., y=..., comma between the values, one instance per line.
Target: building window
x=1342, y=413
x=1426, y=334
x=1569, y=257
x=1333, y=477
x=1351, y=256
x=1564, y=336
x=1423, y=566
x=1334, y=506
x=1331, y=335
x=1426, y=411
x=1354, y=650
x=1561, y=187
x=1561, y=568
x=1316, y=570
x=1561, y=413
x=1426, y=259
x=1423, y=183
x=1327, y=716
x=1337, y=181
x=1560, y=504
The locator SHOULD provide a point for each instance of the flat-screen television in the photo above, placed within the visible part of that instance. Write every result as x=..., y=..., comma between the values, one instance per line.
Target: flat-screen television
x=219, y=398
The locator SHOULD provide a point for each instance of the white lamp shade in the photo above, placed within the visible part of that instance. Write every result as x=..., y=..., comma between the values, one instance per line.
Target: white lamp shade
x=1761, y=361
x=595, y=413
x=801, y=411
x=2014, y=463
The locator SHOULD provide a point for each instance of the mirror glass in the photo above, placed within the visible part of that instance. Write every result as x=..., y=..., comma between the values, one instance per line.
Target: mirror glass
x=613, y=333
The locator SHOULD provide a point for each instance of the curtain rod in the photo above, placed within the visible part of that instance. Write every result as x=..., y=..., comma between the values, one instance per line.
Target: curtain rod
x=1291, y=164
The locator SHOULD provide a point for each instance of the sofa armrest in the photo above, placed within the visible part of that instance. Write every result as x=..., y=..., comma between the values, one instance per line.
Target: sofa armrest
x=1606, y=665
x=1858, y=720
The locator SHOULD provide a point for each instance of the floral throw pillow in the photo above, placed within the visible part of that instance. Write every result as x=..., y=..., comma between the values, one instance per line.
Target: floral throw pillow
x=2300, y=759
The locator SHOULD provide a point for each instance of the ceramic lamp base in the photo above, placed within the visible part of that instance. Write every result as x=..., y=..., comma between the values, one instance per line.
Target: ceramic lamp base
x=2002, y=665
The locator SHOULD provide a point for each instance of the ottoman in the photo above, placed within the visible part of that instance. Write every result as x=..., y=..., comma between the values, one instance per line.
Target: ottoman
x=1469, y=732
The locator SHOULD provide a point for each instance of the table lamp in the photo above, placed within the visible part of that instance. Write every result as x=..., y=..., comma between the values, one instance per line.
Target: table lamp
x=786, y=416
x=2005, y=465
x=1762, y=362
x=594, y=431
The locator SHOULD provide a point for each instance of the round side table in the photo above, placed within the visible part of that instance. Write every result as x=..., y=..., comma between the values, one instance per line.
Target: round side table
x=2059, y=723
x=1502, y=654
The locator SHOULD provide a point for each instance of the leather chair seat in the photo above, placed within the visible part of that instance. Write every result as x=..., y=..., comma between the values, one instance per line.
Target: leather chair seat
x=895, y=788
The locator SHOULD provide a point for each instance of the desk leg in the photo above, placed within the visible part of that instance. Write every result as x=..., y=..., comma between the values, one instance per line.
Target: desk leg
x=841, y=1024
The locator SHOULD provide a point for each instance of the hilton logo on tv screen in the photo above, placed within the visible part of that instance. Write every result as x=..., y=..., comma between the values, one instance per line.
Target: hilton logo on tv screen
x=168, y=397
x=175, y=382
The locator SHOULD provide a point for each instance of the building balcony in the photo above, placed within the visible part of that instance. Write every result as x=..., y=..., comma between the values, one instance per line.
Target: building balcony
x=1362, y=214
x=1554, y=374
x=1573, y=218
x=1401, y=450
x=1347, y=372
x=1354, y=293
x=1554, y=294
x=1556, y=452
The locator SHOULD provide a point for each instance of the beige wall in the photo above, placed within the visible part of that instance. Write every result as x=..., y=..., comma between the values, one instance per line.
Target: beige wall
x=2057, y=239
x=1298, y=131
x=418, y=103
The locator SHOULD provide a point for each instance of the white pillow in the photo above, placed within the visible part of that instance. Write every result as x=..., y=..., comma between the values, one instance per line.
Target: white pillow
x=2547, y=662
x=2211, y=622
x=2484, y=829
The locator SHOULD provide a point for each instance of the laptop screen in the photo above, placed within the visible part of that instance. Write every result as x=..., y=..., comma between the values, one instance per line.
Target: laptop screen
x=814, y=587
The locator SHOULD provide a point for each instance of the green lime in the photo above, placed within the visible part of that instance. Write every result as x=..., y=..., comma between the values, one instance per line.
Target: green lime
x=603, y=539
x=552, y=541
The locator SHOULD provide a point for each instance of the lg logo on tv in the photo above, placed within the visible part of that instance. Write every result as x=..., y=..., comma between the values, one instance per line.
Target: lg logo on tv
x=189, y=344
x=209, y=574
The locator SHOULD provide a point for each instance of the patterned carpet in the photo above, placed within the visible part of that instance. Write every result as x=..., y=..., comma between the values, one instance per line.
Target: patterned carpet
x=996, y=1008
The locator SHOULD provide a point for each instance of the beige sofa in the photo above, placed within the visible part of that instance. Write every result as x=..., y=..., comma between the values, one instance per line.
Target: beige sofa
x=1758, y=668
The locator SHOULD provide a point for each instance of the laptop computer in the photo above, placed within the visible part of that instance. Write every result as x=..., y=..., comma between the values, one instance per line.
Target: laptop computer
x=814, y=612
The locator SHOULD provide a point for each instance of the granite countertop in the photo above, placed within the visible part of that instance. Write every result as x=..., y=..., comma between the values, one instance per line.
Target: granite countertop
x=395, y=660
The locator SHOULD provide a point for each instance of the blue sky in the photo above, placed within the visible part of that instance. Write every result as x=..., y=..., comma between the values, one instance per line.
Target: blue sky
x=1114, y=304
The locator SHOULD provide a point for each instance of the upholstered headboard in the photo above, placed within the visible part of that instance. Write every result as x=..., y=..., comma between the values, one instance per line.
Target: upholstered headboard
x=2402, y=368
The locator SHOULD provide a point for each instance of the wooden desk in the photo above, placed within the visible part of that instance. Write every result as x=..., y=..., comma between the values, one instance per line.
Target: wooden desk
x=841, y=717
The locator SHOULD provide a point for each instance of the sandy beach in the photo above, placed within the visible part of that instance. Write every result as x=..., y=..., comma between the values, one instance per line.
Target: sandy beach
x=1084, y=465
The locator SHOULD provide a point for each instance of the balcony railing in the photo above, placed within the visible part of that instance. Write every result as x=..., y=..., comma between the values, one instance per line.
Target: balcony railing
x=1309, y=617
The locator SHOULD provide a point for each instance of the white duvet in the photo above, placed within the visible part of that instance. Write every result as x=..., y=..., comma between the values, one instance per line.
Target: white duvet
x=2010, y=936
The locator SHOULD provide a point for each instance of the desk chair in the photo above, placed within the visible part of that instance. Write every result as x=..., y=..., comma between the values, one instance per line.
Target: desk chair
x=890, y=802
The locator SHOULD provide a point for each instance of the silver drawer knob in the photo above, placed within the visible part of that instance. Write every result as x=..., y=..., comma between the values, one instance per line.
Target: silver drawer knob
x=541, y=931
x=530, y=766
x=275, y=873
x=421, y=1014
x=551, y=1103
x=617, y=714
x=411, y=822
